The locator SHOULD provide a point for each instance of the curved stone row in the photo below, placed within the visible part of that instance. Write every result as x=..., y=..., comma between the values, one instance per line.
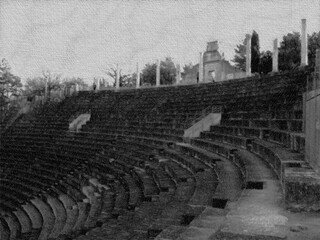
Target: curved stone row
x=61, y=183
x=57, y=204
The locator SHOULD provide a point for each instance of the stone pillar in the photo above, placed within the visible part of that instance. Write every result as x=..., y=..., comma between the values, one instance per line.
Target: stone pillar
x=118, y=77
x=178, y=74
x=138, y=77
x=275, y=56
x=248, y=55
x=317, y=70
x=61, y=93
x=158, y=74
x=98, y=84
x=304, y=43
x=7, y=89
x=77, y=87
x=46, y=94
x=201, y=68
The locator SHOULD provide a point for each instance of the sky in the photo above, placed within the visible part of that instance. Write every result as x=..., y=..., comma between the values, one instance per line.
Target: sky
x=84, y=38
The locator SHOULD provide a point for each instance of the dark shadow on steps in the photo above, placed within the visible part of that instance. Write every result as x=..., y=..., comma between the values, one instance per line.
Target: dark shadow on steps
x=219, y=203
x=152, y=233
x=186, y=219
x=254, y=185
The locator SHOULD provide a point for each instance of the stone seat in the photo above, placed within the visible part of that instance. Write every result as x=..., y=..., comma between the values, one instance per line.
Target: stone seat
x=28, y=216
x=229, y=190
x=240, y=141
x=211, y=159
x=156, y=135
x=163, y=180
x=147, y=183
x=132, y=141
x=188, y=161
x=299, y=181
x=43, y=207
x=249, y=132
x=206, y=180
x=291, y=140
x=198, y=153
x=154, y=141
x=68, y=184
x=11, y=222
x=59, y=199
x=43, y=175
x=15, y=199
x=206, y=184
x=218, y=148
x=95, y=201
x=13, y=185
x=135, y=194
x=121, y=200
x=135, y=151
x=5, y=232
x=240, y=115
x=238, y=123
x=177, y=171
x=138, y=179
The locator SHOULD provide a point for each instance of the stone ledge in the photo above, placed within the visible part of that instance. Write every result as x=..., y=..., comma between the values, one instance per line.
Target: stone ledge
x=301, y=184
x=302, y=189
x=228, y=235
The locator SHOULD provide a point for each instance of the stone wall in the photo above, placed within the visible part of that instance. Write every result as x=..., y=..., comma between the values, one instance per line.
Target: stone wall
x=312, y=117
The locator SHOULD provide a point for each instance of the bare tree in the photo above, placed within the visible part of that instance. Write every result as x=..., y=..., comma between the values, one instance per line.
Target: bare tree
x=124, y=79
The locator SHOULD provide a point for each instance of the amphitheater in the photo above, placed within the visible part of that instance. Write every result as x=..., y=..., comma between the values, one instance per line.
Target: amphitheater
x=235, y=159
x=219, y=160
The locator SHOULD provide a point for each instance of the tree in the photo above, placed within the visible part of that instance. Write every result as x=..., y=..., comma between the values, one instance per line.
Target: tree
x=240, y=56
x=290, y=50
x=187, y=68
x=190, y=71
x=68, y=82
x=313, y=45
x=129, y=81
x=37, y=85
x=167, y=72
x=148, y=76
x=124, y=79
x=10, y=85
x=255, y=52
x=265, y=62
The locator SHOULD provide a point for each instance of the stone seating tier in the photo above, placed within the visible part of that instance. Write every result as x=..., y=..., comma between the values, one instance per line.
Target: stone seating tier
x=138, y=130
x=282, y=149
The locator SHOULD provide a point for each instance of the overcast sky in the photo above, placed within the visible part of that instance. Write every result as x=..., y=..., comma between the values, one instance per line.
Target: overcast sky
x=82, y=38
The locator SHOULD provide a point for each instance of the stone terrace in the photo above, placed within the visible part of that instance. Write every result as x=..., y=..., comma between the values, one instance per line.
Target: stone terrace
x=130, y=174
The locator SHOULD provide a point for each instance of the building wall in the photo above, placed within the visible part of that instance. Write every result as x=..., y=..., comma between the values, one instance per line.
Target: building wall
x=312, y=119
x=231, y=72
x=208, y=68
x=213, y=62
x=223, y=71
